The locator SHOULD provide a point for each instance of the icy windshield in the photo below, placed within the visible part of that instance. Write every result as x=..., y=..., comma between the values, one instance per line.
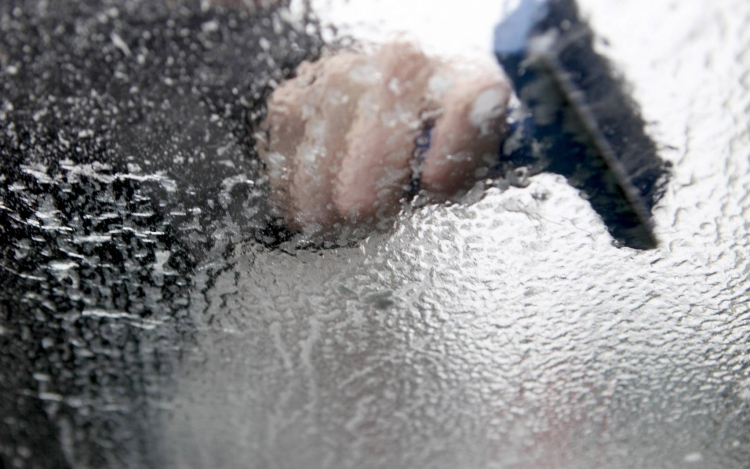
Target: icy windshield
x=276, y=234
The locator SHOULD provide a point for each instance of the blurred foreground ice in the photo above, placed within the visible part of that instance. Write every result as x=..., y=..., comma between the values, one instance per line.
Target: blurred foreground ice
x=509, y=332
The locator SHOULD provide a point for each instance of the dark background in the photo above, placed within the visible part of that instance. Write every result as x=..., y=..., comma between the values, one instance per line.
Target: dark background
x=124, y=149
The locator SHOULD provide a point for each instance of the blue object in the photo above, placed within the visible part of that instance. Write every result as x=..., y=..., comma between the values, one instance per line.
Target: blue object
x=577, y=120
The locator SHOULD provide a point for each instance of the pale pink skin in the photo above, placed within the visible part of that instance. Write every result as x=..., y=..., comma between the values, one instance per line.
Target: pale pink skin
x=381, y=140
x=249, y=4
x=467, y=136
x=338, y=139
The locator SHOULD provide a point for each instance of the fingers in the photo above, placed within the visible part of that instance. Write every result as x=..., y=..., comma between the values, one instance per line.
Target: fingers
x=339, y=139
x=376, y=168
x=466, y=139
x=328, y=111
x=281, y=135
x=251, y=4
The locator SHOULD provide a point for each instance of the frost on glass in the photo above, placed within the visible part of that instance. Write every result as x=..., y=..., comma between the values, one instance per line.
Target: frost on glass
x=156, y=312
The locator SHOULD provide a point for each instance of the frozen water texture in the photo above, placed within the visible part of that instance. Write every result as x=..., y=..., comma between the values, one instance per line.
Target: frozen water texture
x=505, y=333
x=509, y=333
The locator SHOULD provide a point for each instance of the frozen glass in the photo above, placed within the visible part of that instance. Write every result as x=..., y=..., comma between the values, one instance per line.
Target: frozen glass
x=150, y=318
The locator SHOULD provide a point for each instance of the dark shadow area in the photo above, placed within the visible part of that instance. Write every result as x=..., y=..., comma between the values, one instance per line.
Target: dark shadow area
x=124, y=149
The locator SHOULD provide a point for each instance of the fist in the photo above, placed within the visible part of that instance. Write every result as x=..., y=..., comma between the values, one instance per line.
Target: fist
x=352, y=136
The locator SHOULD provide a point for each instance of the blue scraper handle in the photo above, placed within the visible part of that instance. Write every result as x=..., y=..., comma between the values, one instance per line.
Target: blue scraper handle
x=577, y=120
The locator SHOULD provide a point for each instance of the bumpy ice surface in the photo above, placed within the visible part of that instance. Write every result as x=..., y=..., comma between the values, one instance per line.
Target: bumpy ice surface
x=142, y=324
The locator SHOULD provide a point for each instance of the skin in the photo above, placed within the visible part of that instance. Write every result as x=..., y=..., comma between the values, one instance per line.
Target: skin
x=467, y=136
x=339, y=138
x=249, y=4
x=321, y=154
x=381, y=140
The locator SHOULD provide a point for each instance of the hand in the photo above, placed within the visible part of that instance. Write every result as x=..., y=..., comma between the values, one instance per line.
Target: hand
x=349, y=137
